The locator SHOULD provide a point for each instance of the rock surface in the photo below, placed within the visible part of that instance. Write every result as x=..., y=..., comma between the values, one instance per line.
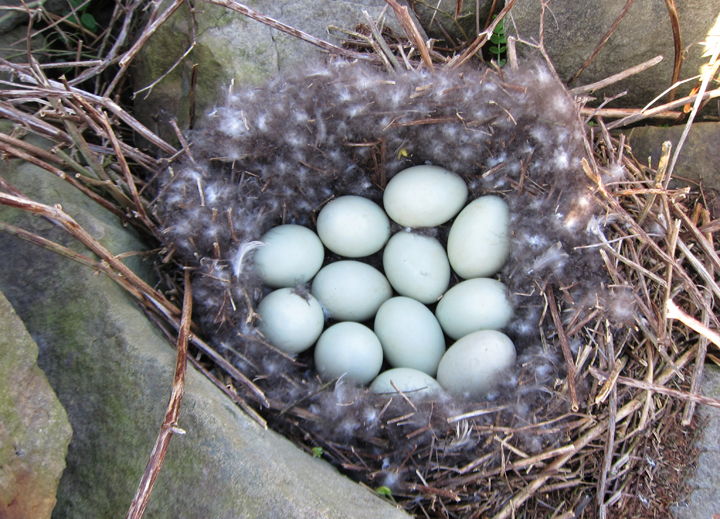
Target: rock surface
x=232, y=47
x=34, y=428
x=439, y=20
x=698, y=165
x=704, y=500
x=113, y=371
x=573, y=30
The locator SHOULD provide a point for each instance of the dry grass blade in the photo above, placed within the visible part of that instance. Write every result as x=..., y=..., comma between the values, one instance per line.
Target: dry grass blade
x=170, y=423
x=656, y=388
x=647, y=114
x=565, y=346
x=411, y=31
x=586, y=89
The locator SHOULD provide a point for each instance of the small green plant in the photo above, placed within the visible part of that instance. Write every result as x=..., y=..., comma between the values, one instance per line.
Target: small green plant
x=386, y=492
x=86, y=20
x=317, y=452
x=499, y=41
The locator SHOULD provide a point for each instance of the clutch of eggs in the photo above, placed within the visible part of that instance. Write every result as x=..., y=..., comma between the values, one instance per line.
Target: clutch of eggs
x=406, y=334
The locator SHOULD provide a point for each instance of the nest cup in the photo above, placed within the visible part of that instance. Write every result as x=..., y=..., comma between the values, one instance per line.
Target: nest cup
x=276, y=154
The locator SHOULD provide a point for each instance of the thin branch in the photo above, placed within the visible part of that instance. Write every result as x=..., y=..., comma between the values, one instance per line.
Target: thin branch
x=170, y=423
x=677, y=44
x=603, y=41
x=481, y=39
x=592, y=87
x=565, y=345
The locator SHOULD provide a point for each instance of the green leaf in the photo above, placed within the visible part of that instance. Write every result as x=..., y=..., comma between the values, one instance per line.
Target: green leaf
x=384, y=491
x=317, y=452
x=88, y=21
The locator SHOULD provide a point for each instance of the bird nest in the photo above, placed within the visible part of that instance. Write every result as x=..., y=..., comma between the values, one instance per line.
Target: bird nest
x=604, y=253
x=588, y=277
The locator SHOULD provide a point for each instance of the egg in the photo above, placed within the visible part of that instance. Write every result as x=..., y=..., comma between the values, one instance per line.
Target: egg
x=424, y=196
x=410, y=335
x=413, y=383
x=416, y=266
x=290, y=322
x=475, y=304
x=353, y=226
x=292, y=255
x=349, y=349
x=350, y=291
x=479, y=244
x=476, y=363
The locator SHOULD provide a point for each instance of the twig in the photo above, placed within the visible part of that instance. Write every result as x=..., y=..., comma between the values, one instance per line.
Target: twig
x=170, y=423
x=674, y=312
x=62, y=219
x=646, y=114
x=411, y=31
x=481, y=39
x=659, y=177
x=657, y=388
x=602, y=41
x=565, y=345
x=677, y=44
x=552, y=470
x=148, y=31
x=377, y=35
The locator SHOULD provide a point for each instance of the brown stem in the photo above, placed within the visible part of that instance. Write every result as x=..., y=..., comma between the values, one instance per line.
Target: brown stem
x=565, y=345
x=169, y=425
x=603, y=41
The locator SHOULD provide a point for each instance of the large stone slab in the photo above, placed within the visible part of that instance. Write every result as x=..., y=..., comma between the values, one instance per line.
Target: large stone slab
x=573, y=29
x=34, y=428
x=112, y=370
x=231, y=47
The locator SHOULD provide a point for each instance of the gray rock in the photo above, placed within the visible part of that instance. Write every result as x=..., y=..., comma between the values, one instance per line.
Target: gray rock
x=573, y=30
x=704, y=499
x=232, y=47
x=113, y=370
x=35, y=431
x=698, y=165
x=13, y=46
x=438, y=19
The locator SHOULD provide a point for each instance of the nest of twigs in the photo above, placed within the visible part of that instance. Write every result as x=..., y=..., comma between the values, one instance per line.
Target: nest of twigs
x=586, y=445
